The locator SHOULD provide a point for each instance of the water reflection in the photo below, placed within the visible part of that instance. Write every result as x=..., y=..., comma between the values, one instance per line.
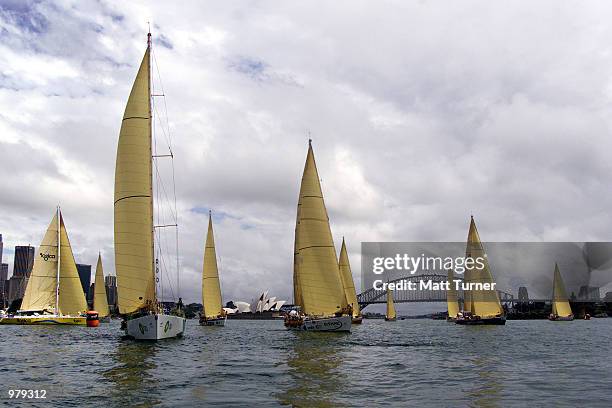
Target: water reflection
x=486, y=390
x=314, y=361
x=132, y=379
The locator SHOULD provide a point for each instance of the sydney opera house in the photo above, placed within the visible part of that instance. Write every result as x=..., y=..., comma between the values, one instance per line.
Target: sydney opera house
x=263, y=305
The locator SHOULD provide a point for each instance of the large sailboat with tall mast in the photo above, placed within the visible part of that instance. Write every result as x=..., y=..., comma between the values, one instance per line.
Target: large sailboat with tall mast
x=212, y=306
x=100, y=300
x=54, y=294
x=561, y=309
x=317, y=287
x=480, y=306
x=349, y=284
x=135, y=261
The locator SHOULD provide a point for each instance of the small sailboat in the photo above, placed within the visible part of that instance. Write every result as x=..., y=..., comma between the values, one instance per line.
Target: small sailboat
x=561, y=310
x=135, y=263
x=212, y=306
x=54, y=294
x=390, y=315
x=451, y=299
x=349, y=285
x=480, y=306
x=100, y=300
x=318, y=290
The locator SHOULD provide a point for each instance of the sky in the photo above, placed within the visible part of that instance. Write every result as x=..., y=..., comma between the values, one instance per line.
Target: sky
x=421, y=114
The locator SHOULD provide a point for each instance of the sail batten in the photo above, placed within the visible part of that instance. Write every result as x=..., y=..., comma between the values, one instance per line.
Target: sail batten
x=483, y=303
x=133, y=202
x=211, y=287
x=347, y=280
x=318, y=289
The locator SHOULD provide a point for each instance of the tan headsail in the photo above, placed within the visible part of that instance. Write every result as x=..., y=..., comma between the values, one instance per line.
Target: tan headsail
x=133, y=199
x=42, y=290
x=451, y=297
x=390, y=305
x=211, y=288
x=483, y=303
x=560, y=302
x=100, y=301
x=347, y=280
x=71, y=297
x=316, y=272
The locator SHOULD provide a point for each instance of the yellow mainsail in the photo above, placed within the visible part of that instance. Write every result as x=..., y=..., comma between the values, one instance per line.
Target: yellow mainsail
x=451, y=297
x=42, y=293
x=483, y=303
x=100, y=301
x=211, y=288
x=560, y=302
x=133, y=199
x=347, y=280
x=390, y=305
x=318, y=289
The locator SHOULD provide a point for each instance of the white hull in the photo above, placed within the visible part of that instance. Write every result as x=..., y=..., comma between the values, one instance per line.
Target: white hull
x=219, y=322
x=325, y=324
x=155, y=327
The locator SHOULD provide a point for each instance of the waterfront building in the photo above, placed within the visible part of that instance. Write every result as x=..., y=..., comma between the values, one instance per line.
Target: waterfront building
x=3, y=284
x=111, y=291
x=589, y=293
x=523, y=296
x=85, y=276
x=24, y=261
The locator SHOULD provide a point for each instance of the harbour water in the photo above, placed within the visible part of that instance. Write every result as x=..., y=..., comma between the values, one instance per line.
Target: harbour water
x=258, y=363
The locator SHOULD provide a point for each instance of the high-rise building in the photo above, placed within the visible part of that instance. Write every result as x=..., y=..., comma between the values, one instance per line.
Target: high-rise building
x=24, y=261
x=523, y=296
x=3, y=284
x=589, y=293
x=1, y=247
x=85, y=275
x=111, y=291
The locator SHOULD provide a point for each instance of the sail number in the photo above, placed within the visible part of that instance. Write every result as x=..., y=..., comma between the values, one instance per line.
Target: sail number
x=28, y=394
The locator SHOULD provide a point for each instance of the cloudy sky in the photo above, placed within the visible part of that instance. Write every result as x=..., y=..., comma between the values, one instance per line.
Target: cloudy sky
x=421, y=113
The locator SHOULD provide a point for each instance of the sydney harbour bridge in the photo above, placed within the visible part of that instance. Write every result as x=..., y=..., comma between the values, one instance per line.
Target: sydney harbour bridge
x=373, y=296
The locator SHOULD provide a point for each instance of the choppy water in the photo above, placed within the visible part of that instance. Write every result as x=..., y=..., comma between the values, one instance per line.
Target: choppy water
x=258, y=363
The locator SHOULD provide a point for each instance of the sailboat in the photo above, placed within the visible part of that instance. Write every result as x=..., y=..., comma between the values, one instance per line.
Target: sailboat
x=135, y=262
x=54, y=294
x=561, y=310
x=346, y=277
x=318, y=290
x=212, y=307
x=480, y=306
x=390, y=315
x=100, y=301
x=451, y=299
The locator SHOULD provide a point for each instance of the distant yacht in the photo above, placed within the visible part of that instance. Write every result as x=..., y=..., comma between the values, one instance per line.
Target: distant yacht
x=212, y=305
x=390, y=315
x=54, y=294
x=135, y=262
x=317, y=287
x=480, y=306
x=348, y=283
x=100, y=301
x=561, y=310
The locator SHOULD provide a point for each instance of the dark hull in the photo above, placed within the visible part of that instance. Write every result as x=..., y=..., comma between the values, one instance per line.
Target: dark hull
x=390, y=320
x=357, y=320
x=498, y=321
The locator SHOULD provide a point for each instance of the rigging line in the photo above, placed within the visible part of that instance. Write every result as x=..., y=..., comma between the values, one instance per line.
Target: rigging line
x=163, y=92
x=163, y=187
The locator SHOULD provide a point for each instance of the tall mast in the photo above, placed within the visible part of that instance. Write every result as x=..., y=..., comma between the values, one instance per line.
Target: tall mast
x=59, y=245
x=153, y=269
